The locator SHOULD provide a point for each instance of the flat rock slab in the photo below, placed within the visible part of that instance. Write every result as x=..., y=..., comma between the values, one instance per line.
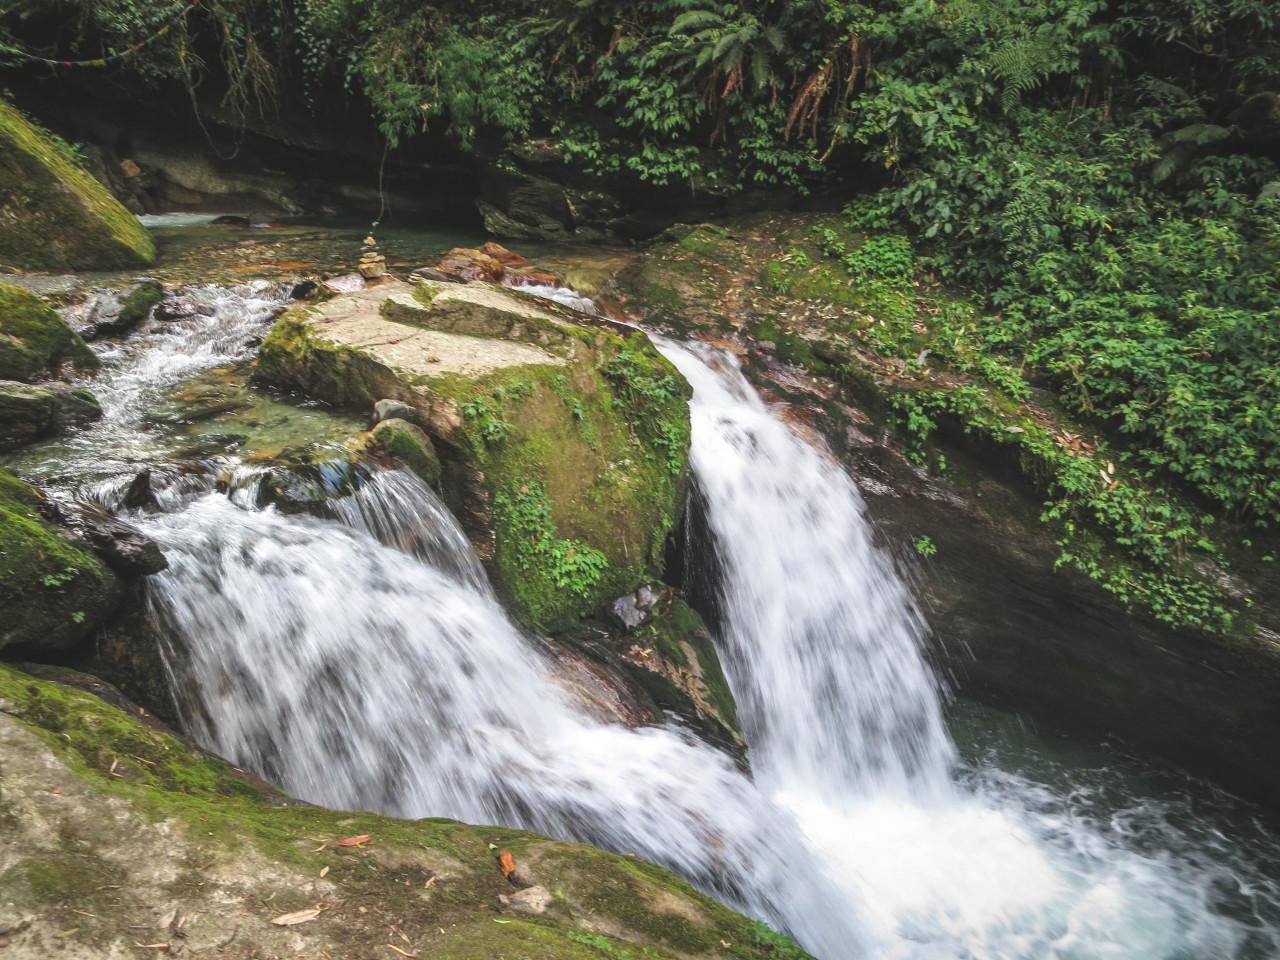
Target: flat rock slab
x=356, y=320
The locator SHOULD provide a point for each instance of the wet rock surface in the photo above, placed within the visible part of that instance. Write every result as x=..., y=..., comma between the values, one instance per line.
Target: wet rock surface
x=121, y=546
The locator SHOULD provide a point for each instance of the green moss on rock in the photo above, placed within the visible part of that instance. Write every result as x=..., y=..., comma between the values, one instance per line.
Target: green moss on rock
x=517, y=397
x=408, y=444
x=139, y=304
x=602, y=443
x=53, y=214
x=114, y=828
x=32, y=336
x=53, y=593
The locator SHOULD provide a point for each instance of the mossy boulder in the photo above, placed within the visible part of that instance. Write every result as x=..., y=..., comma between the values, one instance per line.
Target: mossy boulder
x=53, y=592
x=118, y=834
x=26, y=412
x=407, y=443
x=563, y=439
x=53, y=214
x=29, y=411
x=32, y=337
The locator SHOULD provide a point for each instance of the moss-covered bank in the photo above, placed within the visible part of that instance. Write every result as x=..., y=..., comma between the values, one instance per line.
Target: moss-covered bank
x=1059, y=580
x=119, y=835
x=53, y=214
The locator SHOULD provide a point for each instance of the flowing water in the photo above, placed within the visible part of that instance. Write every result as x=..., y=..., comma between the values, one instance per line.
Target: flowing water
x=822, y=646
x=361, y=661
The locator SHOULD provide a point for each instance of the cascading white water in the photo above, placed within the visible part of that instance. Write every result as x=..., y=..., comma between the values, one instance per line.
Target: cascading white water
x=823, y=652
x=140, y=369
x=357, y=676
x=364, y=663
x=814, y=614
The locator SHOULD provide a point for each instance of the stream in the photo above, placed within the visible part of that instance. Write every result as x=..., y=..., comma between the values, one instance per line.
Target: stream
x=360, y=660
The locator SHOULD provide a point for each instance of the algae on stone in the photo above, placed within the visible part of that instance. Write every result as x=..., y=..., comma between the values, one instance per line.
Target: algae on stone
x=53, y=214
x=32, y=336
x=53, y=592
x=407, y=443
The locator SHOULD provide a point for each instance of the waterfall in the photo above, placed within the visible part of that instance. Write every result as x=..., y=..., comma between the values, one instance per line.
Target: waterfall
x=823, y=650
x=370, y=675
x=822, y=640
x=361, y=661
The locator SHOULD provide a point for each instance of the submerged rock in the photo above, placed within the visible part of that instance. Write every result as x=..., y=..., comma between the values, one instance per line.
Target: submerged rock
x=563, y=446
x=53, y=214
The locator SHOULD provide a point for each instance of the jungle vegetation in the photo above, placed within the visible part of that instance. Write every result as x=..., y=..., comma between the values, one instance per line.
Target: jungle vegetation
x=1100, y=176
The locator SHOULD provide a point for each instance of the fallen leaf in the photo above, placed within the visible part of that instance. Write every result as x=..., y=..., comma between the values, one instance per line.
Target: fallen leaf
x=55, y=789
x=508, y=864
x=298, y=916
x=324, y=871
x=356, y=841
x=502, y=921
x=402, y=953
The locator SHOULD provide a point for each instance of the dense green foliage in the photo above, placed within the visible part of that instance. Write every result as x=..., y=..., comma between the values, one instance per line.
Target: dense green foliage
x=1099, y=177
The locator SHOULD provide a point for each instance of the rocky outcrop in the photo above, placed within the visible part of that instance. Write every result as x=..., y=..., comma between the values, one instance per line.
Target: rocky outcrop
x=562, y=439
x=33, y=338
x=119, y=836
x=53, y=214
x=54, y=592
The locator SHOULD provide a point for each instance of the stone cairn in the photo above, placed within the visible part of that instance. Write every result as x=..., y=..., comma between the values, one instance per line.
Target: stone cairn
x=372, y=263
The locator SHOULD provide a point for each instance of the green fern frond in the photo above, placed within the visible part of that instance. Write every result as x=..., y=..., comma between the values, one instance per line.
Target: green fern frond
x=696, y=20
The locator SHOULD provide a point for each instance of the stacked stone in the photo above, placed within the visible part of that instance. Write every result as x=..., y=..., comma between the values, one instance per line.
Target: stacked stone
x=372, y=263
